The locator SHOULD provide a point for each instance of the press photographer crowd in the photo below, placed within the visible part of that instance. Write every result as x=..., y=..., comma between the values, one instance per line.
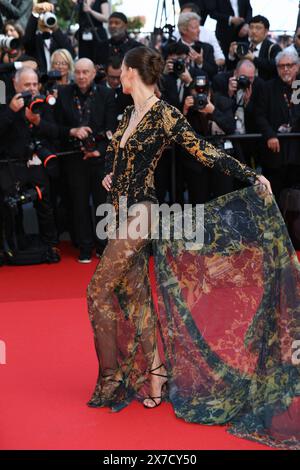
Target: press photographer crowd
x=64, y=100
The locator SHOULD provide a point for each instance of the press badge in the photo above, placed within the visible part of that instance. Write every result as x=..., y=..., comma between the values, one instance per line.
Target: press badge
x=228, y=145
x=87, y=36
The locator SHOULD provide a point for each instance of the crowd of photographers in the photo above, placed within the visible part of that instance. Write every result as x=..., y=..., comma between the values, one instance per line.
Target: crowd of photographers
x=64, y=100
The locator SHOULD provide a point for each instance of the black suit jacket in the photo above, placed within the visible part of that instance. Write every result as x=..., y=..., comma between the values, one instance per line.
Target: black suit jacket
x=204, y=5
x=103, y=116
x=16, y=134
x=221, y=10
x=109, y=48
x=272, y=112
x=265, y=62
x=34, y=43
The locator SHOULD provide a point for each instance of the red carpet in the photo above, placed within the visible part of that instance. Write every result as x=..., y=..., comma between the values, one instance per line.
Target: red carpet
x=50, y=372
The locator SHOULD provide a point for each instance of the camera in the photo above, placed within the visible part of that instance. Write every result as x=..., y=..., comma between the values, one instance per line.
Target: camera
x=202, y=88
x=9, y=43
x=89, y=144
x=23, y=196
x=49, y=19
x=49, y=80
x=179, y=67
x=243, y=82
x=36, y=103
x=242, y=49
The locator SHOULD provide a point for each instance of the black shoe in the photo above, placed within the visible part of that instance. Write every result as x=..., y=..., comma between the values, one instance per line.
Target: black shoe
x=85, y=256
x=53, y=255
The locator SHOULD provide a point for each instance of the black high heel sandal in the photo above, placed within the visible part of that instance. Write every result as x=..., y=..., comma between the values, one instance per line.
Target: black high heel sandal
x=98, y=399
x=163, y=387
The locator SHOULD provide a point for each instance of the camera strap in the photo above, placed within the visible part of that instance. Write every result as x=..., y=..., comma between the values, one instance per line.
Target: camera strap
x=84, y=108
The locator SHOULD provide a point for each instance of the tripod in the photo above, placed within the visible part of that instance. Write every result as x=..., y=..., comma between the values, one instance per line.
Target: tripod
x=159, y=29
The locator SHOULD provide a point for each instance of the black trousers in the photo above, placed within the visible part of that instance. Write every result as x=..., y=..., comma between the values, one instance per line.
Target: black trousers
x=29, y=178
x=281, y=178
x=84, y=180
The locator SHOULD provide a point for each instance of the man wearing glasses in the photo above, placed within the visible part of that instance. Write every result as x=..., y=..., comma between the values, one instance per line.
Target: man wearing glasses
x=278, y=113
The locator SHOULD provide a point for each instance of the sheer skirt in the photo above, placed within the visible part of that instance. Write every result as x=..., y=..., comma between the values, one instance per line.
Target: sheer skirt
x=122, y=315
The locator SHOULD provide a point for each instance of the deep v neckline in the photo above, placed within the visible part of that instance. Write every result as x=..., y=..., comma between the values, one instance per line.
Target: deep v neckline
x=137, y=126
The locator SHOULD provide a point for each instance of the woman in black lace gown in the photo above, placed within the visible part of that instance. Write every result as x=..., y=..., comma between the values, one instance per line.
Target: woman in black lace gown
x=228, y=368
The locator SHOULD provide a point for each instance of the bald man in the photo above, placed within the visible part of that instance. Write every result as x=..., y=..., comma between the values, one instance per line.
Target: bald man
x=84, y=111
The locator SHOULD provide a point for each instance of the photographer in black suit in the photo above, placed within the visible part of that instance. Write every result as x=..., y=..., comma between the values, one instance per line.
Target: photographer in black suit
x=86, y=115
x=41, y=41
x=113, y=82
x=20, y=127
x=277, y=113
x=201, y=54
x=230, y=15
x=260, y=50
x=210, y=115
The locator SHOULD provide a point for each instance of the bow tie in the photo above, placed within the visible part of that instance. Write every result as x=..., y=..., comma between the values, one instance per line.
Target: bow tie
x=46, y=35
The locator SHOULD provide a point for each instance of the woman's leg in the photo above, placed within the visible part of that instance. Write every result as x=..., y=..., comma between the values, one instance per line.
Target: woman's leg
x=123, y=269
x=158, y=377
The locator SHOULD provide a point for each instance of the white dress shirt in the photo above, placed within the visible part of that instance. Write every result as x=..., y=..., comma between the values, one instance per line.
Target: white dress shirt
x=235, y=7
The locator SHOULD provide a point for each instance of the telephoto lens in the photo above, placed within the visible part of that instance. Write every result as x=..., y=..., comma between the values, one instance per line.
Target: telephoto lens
x=9, y=43
x=49, y=19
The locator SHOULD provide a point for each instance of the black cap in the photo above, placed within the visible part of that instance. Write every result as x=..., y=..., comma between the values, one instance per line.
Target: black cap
x=121, y=16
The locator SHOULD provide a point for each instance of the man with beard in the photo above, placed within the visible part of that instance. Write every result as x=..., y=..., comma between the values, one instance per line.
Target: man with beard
x=119, y=42
x=278, y=113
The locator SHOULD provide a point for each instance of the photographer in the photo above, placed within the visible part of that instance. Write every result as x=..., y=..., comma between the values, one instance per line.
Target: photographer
x=260, y=50
x=11, y=31
x=209, y=115
x=244, y=89
x=206, y=35
x=201, y=54
x=43, y=36
x=86, y=115
x=113, y=81
x=92, y=15
x=278, y=114
x=20, y=128
x=18, y=10
x=178, y=74
x=119, y=42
